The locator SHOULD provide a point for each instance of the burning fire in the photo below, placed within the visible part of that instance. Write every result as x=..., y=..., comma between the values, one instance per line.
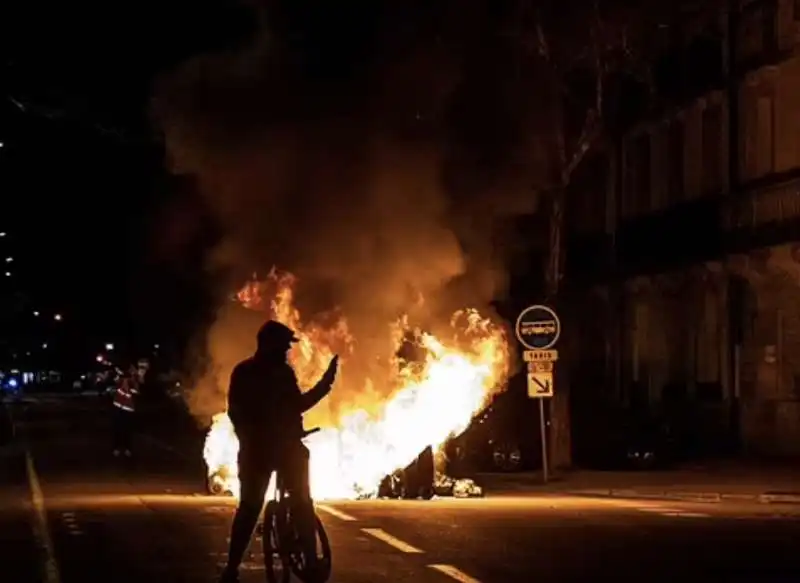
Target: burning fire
x=432, y=399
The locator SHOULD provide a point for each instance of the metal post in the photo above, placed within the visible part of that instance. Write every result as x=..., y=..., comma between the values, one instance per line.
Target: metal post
x=543, y=434
x=779, y=352
x=736, y=432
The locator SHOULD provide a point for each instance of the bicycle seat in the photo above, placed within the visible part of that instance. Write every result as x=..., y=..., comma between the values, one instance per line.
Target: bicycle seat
x=307, y=432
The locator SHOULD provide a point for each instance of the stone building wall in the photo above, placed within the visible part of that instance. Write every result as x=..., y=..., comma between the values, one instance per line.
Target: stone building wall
x=770, y=363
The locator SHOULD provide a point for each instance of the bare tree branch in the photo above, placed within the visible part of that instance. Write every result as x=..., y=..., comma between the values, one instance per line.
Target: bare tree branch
x=593, y=124
x=592, y=130
x=543, y=45
x=50, y=113
x=599, y=66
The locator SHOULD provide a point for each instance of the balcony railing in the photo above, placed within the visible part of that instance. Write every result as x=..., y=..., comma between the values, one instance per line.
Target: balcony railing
x=772, y=205
x=691, y=232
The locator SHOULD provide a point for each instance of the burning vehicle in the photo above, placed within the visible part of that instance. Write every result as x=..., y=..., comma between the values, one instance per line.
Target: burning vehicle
x=394, y=447
x=422, y=479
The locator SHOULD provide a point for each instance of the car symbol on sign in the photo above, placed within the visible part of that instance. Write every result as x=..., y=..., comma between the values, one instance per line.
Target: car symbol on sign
x=544, y=327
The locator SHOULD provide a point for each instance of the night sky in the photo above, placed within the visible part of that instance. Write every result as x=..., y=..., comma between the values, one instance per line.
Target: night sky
x=100, y=230
x=142, y=178
x=86, y=200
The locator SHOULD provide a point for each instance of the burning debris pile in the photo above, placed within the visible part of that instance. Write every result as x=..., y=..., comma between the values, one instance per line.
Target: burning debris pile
x=420, y=479
x=381, y=445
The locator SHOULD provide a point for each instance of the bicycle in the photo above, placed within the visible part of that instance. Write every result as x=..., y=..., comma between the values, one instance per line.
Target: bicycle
x=283, y=552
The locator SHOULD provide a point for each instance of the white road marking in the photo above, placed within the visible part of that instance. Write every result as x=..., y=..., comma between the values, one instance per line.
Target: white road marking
x=384, y=536
x=761, y=517
x=337, y=513
x=217, y=509
x=41, y=530
x=454, y=573
x=249, y=555
x=245, y=566
x=672, y=512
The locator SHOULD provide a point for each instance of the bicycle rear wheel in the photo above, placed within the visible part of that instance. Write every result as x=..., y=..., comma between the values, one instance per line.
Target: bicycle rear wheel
x=276, y=561
x=323, y=560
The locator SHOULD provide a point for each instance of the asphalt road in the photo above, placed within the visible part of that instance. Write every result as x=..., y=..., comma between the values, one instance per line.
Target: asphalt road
x=70, y=513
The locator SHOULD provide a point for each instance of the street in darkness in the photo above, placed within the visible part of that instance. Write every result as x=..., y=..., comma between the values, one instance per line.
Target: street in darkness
x=150, y=522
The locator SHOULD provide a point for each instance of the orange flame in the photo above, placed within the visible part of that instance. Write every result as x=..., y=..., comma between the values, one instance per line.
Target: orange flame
x=430, y=401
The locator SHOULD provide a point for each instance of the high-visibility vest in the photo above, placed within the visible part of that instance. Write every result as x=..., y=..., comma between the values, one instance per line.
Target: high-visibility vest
x=124, y=395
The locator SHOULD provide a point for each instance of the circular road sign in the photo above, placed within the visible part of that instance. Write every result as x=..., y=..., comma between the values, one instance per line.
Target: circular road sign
x=538, y=328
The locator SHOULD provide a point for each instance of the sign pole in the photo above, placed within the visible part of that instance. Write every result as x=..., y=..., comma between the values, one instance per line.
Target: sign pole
x=538, y=329
x=543, y=436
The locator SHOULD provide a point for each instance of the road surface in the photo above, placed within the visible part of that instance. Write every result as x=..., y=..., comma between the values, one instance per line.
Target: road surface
x=74, y=515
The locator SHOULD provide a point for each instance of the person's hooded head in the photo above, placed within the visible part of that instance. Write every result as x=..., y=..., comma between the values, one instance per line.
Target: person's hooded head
x=274, y=340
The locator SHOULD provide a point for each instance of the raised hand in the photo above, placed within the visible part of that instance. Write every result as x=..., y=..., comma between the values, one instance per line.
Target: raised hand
x=330, y=372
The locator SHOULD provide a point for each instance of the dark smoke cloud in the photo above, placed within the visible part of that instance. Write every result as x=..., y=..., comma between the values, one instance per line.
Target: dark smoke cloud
x=326, y=156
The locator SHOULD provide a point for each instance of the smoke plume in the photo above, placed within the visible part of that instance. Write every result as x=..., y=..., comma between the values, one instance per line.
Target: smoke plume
x=325, y=157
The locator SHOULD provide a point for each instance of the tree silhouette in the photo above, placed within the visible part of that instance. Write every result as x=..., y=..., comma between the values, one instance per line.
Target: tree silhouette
x=585, y=66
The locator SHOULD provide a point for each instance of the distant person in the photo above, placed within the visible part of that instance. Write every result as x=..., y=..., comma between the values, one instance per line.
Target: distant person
x=6, y=423
x=266, y=406
x=124, y=410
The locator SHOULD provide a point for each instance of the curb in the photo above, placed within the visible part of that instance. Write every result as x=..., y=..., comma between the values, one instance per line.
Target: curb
x=708, y=497
x=780, y=498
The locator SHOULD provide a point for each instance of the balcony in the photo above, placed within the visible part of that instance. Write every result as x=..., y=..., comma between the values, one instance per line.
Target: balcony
x=762, y=217
x=589, y=258
x=683, y=234
x=692, y=232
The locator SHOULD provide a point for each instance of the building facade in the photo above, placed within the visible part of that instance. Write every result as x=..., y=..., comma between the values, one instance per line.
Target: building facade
x=684, y=238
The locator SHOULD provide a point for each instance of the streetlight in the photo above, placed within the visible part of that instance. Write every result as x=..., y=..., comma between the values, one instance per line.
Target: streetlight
x=99, y=358
x=8, y=274
x=9, y=259
x=57, y=317
x=35, y=313
x=44, y=345
x=2, y=233
x=109, y=346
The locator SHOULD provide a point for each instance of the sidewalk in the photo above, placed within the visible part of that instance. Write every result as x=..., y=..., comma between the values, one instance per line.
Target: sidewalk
x=718, y=481
x=727, y=482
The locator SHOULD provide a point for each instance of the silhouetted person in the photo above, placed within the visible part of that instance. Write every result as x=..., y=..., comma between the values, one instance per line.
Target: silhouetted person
x=127, y=388
x=6, y=424
x=266, y=406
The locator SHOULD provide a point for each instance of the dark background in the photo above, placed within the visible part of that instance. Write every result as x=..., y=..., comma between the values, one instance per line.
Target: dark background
x=87, y=202
x=100, y=230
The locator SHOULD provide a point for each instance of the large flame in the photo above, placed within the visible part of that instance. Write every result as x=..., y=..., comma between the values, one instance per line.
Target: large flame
x=431, y=400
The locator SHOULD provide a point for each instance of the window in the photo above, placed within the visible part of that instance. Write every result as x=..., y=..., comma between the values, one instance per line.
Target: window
x=704, y=62
x=769, y=35
x=669, y=75
x=757, y=34
x=712, y=142
x=764, y=135
x=587, y=191
x=593, y=189
x=675, y=177
x=643, y=174
x=637, y=183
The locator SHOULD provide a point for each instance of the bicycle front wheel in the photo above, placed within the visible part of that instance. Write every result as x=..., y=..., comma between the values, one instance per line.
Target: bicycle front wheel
x=323, y=569
x=276, y=561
